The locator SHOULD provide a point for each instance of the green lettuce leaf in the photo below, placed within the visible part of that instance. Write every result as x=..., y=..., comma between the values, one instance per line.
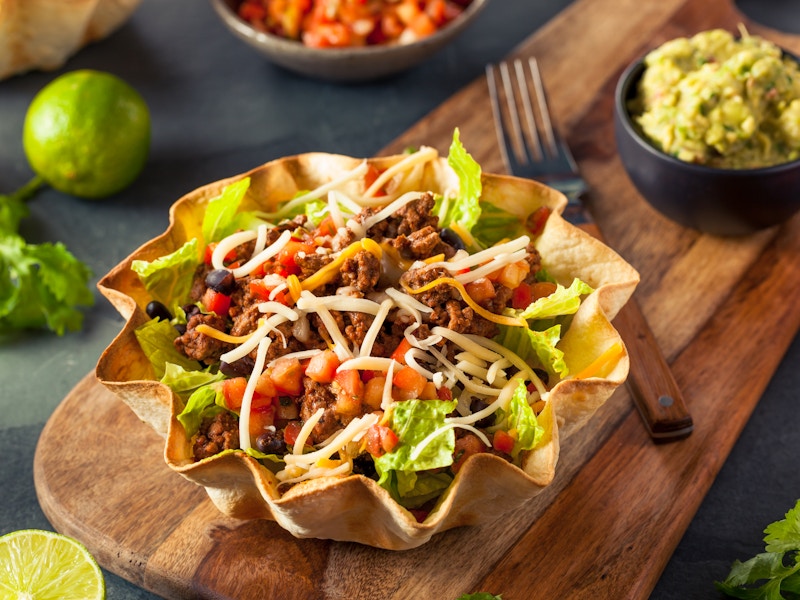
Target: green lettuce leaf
x=201, y=404
x=156, y=339
x=466, y=208
x=183, y=382
x=564, y=301
x=539, y=345
x=168, y=279
x=413, y=421
x=222, y=216
x=495, y=224
x=522, y=419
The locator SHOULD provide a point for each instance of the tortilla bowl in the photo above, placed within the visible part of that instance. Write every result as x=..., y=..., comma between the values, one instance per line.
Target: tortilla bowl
x=354, y=507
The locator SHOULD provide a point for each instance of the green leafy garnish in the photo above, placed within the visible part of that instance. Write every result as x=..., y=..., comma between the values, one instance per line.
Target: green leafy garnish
x=201, y=403
x=222, y=215
x=522, y=419
x=480, y=596
x=413, y=421
x=169, y=278
x=544, y=316
x=774, y=574
x=465, y=209
x=41, y=285
x=156, y=339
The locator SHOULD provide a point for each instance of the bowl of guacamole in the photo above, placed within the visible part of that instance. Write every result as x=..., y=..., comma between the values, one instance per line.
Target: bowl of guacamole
x=708, y=130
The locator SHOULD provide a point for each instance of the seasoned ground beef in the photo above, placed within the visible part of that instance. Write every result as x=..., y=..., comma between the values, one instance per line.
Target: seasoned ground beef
x=422, y=244
x=406, y=220
x=216, y=434
x=316, y=396
x=199, y=346
x=361, y=271
x=311, y=263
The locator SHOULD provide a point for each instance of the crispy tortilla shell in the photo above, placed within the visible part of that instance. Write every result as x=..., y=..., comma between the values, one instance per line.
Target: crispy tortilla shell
x=355, y=508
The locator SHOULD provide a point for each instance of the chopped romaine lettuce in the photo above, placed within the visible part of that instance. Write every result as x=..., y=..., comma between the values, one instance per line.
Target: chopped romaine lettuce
x=564, y=301
x=156, y=338
x=201, y=404
x=543, y=333
x=168, y=279
x=495, y=225
x=522, y=420
x=183, y=382
x=413, y=421
x=222, y=215
x=464, y=209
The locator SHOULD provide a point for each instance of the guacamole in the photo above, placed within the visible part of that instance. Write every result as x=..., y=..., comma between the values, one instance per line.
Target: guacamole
x=721, y=101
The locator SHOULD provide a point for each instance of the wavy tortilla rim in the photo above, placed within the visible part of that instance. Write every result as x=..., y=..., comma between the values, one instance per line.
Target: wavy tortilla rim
x=355, y=508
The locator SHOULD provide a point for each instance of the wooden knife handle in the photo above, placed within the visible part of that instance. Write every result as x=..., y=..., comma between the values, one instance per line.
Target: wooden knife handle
x=653, y=387
x=650, y=380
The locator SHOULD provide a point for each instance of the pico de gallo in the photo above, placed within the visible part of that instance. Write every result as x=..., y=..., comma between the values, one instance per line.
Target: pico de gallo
x=342, y=23
x=389, y=335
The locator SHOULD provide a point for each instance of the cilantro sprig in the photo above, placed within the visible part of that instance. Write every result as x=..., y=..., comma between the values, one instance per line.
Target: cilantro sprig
x=41, y=285
x=774, y=574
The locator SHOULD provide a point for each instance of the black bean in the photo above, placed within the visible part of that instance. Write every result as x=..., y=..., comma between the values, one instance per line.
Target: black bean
x=364, y=465
x=478, y=405
x=190, y=310
x=271, y=442
x=448, y=236
x=222, y=281
x=238, y=368
x=156, y=310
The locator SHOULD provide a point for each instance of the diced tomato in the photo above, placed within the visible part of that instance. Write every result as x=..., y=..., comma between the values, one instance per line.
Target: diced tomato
x=381, y=440
x=465, y=447
x=409, y=383
x=370, y=177
x=291, y=431
x=514, y=274
x=209, y=251
x=233, y=392
x=325, y=228
x=399, y=353
x=264, y=385
x=287, y=376
x=350, y=392
x=423, y=25
x=261, y=417
x=216, y=302
x=502, y=441
x=444, y=393
x=322, y=367
x=287, y=256
x=373, y=392
x=522, y=296
x=259, y=290
x=252, y=11
x=429, y=392
x=537, y=219
x=480, y=290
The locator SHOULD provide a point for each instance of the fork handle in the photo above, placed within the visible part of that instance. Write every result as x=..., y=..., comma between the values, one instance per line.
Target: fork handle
x=651, y=382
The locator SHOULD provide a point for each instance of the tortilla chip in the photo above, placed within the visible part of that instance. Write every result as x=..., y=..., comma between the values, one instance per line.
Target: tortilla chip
x=355, y=508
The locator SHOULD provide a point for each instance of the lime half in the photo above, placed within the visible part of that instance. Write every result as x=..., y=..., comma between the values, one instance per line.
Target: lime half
x=42, y=565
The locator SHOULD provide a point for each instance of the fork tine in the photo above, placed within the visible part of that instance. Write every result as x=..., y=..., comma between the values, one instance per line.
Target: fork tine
x=544, y=111
x=535, y=143
x=499, y=127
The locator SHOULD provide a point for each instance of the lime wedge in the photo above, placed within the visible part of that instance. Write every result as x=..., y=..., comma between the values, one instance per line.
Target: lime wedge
x=42, y=565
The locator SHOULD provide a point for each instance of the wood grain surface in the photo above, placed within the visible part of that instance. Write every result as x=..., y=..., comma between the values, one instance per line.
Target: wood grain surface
x=619, y=504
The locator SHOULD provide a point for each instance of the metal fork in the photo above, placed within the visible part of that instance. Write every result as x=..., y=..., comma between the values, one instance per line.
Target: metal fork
x=534, y=150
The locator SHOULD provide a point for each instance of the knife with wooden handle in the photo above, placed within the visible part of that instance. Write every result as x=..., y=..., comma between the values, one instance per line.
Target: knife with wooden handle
x=650, y=380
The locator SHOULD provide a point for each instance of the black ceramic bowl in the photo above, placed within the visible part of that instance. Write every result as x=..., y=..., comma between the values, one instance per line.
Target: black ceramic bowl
x=725, y=202
x=344, y=64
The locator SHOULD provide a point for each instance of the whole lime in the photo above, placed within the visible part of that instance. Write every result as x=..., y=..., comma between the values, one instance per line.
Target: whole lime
x=87, y=133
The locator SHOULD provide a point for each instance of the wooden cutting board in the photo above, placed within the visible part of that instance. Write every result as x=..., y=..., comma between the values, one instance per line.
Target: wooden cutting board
x=620, y=503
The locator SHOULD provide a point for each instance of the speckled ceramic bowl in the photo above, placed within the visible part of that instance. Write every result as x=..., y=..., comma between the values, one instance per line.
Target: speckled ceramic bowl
x=726, y=202
x=344, y=64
